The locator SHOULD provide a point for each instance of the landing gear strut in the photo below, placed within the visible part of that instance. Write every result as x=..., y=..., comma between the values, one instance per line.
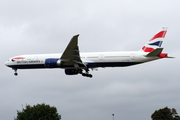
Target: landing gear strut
x=15, y=70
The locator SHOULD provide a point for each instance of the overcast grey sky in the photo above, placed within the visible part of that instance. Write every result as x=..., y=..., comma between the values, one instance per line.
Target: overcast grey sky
x=44, y=26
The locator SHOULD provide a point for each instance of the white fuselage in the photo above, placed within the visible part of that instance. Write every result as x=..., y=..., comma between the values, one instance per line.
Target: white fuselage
x=91, y=59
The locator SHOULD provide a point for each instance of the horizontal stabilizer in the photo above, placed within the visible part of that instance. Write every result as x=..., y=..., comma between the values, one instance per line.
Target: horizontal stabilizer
x=155, y=52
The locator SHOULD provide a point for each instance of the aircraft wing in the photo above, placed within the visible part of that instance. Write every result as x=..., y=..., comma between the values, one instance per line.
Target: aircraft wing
x=71, y=54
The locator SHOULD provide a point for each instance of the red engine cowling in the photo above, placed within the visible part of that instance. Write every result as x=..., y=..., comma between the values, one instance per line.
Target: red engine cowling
x=163, y=55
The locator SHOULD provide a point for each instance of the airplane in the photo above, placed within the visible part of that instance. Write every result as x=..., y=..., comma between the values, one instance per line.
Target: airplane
x=75, y=62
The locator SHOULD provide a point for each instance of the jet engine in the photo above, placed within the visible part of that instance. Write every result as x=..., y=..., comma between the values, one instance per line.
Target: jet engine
x=71, y=71
x=52, y=63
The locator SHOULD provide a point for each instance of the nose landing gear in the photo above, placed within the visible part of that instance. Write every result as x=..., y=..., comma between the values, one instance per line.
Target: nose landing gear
x=15, y=70
x=15, y=74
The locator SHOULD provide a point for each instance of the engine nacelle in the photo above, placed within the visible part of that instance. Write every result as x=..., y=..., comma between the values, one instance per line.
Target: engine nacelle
x=52, y=63
x=71, y=71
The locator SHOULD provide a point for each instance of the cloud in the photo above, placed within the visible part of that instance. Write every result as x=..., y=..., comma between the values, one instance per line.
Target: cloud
x=35, y=27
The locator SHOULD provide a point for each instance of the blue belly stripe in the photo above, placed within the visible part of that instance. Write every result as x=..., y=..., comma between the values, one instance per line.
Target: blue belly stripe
x=89, y=65
x=32, y=66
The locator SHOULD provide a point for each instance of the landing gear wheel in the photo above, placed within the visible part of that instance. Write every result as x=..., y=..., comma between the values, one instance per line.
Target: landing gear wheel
x=89, y=75
x=83, y=74
x=15, y=74
x=86, y=75
x=15, y=71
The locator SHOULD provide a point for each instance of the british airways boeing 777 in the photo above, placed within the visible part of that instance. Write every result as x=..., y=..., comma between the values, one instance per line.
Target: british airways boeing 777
x=75, y=62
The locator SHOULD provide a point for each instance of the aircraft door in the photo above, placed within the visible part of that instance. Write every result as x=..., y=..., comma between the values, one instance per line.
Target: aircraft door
x=101, y=56
x=133, y=56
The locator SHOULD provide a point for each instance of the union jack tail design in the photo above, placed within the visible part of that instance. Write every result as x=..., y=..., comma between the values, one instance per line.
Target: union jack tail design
x=156, y=41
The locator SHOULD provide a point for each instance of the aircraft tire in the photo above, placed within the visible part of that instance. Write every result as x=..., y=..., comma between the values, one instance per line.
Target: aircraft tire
x=89, y=75
x=15, y=74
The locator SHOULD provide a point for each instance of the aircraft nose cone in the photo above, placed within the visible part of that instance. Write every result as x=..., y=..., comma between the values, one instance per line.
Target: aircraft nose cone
x=7, y=63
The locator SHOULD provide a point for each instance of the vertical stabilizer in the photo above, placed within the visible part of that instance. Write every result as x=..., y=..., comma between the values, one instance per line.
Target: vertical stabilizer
x=156, y=41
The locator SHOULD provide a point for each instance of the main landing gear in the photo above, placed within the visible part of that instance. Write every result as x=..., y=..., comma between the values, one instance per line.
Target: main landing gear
x=15, y=70
x=86, y=74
